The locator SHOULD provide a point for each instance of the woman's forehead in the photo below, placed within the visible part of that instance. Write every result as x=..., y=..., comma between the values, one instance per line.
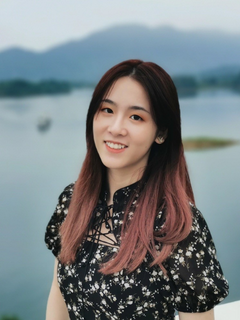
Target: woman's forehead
x=127, y=90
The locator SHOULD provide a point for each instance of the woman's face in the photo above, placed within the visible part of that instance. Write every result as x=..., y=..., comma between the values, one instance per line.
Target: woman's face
x=123, y=128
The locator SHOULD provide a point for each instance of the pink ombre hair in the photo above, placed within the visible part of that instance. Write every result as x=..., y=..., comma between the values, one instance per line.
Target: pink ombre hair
x=165, y=183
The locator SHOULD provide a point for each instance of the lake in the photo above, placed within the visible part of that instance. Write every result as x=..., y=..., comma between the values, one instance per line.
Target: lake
x=36, y=166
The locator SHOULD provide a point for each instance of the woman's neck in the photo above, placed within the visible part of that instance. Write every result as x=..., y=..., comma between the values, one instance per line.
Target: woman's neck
x=118, y=180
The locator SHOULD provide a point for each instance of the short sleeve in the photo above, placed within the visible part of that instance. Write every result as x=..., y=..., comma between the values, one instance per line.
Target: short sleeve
x=197, y=279
x=52, y=236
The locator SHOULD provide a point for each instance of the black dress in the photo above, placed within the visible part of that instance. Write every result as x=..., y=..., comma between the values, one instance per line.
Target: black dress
x=195, y=282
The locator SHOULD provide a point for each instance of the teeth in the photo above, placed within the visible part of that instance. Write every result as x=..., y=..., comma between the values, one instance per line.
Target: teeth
x=115, y=145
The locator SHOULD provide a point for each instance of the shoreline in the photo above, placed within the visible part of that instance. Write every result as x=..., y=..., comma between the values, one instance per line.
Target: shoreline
x=207, y=143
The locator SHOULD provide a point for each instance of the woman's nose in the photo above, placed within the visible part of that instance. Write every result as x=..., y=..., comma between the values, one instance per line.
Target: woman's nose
x=117, y=127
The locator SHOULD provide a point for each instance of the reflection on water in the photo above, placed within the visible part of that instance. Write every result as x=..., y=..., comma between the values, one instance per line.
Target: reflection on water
x=36, y=167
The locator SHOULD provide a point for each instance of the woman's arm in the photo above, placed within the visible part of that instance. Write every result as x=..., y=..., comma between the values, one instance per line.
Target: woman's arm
x=208, y=315
x=56, y=307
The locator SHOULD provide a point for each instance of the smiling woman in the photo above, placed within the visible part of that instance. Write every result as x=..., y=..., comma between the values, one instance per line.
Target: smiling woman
x=128, y=239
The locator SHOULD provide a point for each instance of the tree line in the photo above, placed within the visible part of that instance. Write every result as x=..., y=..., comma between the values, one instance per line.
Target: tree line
x=186, y=86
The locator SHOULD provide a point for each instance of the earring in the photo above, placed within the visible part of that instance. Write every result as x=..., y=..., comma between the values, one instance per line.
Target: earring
x=159, y=140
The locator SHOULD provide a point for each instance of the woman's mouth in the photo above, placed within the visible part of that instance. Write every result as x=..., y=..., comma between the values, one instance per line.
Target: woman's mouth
x=115, y=146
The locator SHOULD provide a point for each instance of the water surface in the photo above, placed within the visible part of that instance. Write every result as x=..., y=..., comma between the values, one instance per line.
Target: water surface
x=36, y=166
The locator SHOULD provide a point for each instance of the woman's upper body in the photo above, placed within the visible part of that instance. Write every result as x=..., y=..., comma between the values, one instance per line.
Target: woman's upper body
x=194, y=281
x=129, y=243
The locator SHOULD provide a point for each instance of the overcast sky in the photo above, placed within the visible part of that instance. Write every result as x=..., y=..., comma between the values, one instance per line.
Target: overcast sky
x=40, y=24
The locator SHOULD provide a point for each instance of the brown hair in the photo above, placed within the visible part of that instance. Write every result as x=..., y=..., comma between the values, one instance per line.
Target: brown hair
x=165, y=181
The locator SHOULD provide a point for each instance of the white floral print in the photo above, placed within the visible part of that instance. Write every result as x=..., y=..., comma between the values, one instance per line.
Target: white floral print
x=194, y=282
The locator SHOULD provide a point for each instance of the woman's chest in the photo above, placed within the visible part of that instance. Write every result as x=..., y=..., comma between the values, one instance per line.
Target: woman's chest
x=146, y=290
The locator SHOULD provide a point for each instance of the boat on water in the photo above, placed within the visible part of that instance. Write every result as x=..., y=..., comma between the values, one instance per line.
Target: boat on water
x=44, y=123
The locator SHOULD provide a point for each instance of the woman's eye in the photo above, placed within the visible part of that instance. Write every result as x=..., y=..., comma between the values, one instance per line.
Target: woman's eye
x=107, y=110
x=136, y=117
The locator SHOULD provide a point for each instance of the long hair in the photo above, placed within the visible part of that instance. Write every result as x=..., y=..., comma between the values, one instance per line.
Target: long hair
x=165, y=183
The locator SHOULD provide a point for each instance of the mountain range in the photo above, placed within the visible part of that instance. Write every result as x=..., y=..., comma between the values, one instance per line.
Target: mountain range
x=179, y=52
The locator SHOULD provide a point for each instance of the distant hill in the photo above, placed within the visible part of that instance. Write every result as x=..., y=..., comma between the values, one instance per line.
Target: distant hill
x=179, y=52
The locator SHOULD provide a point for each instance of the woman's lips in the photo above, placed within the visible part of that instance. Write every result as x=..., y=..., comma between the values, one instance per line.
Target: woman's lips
x=115, y=147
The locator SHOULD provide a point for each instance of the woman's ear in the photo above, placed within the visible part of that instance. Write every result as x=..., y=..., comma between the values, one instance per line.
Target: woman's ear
x=161, y=137
x=159, y=140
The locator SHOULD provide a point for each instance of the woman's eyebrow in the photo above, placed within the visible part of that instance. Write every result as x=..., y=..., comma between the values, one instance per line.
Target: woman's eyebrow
x=109, y=101
x=131, y=108
x=138, y=108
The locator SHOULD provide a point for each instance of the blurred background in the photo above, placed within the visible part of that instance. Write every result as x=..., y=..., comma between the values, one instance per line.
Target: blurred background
x=52, y=53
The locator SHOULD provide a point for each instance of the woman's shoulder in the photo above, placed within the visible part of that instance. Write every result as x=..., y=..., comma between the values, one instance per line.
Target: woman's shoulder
x=199, y=224
x=195, y=270
x=52, y=236
x=64, y=200
x=67, y=192
x=200, y=234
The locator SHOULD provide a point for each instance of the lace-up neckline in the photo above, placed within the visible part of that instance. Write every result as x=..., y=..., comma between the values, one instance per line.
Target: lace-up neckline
x=102, y=226
x=106, y=223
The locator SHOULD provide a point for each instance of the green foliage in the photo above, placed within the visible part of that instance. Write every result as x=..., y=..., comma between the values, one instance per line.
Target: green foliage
x=236, y=83
x=218, y=81
x=21, y=88
x=7, y=317
x=200, y=143
x=81, y=84
x=186, y=85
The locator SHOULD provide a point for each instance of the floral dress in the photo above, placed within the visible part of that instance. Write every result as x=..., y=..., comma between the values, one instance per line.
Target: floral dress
x=194, y=280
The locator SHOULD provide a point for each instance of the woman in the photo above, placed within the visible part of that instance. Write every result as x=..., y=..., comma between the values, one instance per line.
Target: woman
x=128, y=240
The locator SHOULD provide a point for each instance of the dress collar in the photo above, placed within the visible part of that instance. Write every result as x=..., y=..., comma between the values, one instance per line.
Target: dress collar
x=120, y=200
x=120, y=196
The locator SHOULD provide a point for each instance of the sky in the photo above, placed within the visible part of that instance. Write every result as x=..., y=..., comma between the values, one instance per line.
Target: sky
x=41, y=24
